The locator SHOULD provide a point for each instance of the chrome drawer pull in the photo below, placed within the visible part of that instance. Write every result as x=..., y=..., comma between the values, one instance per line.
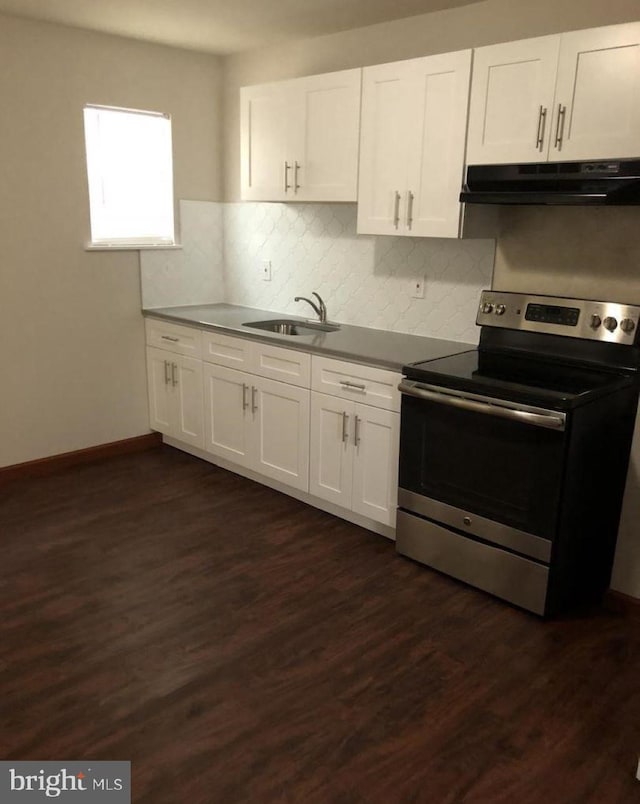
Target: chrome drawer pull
x=491, y=407
x=168, y=338
x=396, y=211
x=254, y=404
x=345, y=433
x=356, y=432
x=166, y=372
x=174, y=379
x=245, y=403
x=562, y=111
x=287, y=168
x=542, y=121
x=410, y=198
x=353, y=385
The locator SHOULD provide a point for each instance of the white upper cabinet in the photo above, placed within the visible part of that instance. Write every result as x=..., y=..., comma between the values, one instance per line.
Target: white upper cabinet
x=263, y=131
x=597, y=103
x=299, y=139
x=511, y=101
x=572, y=96
x=412, y=146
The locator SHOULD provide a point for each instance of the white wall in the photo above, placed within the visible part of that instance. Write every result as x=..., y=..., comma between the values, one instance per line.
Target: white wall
x=73, y=370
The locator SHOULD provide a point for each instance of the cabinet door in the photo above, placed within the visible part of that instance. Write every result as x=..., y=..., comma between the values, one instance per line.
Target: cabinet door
x=375, y=464
x=597, y=105
x=511, y=101
x=280, y=431
x=161, y=401
x=324, y=136
x=383, y=148
x=227, y=396
x=187, y=386
x=331, y=467
x=440, y=89
x=264, y=169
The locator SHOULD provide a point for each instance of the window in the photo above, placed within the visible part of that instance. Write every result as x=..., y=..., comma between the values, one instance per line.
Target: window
x=130, y=172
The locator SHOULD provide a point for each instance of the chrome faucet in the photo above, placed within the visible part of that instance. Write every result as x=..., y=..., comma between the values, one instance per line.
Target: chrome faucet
x=320, y=308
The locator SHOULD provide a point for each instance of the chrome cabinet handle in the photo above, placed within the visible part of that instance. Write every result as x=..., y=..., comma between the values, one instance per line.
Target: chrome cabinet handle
x=410, y=198
x=174, y=379
x=345, y=433
x=254, y=405
x=245, y=403
x=562, y=111
x=287, y=168
x=296, y=168
x=352, y=385
x=542, y=122
x=166, y=372
x=396, y=211
x=167, y=338
x=478, y=404
x=356, y=432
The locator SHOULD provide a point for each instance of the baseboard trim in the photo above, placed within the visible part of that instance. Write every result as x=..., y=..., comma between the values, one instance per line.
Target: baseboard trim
x=66, y=460
x=622, y=604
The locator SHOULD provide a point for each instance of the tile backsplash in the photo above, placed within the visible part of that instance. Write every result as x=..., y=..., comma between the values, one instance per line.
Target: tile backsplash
x=364, y=280
x=193, y=274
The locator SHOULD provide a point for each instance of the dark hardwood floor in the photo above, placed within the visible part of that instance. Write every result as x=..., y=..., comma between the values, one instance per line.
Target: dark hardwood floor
x=239, y=646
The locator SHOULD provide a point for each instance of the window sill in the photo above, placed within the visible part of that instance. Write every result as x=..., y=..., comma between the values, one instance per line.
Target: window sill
x=133, y=247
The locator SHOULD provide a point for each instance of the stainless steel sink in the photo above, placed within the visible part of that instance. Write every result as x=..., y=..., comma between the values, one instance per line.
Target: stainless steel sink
x=289, y=326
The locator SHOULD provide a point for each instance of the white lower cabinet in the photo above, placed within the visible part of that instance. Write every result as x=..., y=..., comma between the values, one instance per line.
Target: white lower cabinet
x=175, y=395
x=258, y=423
x=326, y=428
x=227, y=433
x=375, y=463
x=354, y=456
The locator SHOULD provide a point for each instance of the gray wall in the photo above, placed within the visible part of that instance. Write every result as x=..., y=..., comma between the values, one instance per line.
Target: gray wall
x=73, y=368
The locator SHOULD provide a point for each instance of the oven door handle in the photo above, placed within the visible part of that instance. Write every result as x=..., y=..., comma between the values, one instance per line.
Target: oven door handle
x=490, y=407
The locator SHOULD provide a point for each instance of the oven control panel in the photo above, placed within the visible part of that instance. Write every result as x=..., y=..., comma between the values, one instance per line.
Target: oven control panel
x=554, y=315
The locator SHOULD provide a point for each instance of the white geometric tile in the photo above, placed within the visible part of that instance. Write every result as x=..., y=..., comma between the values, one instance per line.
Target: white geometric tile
x=364, y=280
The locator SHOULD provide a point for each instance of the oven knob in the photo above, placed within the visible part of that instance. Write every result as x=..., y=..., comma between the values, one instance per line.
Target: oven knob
x=627, y=325
x=487, y=307
x=500, y=309
x=595, y=321
x=610, y=323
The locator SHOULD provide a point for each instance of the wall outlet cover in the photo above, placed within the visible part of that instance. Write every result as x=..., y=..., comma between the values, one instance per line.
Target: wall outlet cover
x=265, y=270
x=417, y=287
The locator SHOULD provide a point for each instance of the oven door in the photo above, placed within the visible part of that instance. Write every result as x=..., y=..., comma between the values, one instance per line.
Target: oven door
x=486, y=467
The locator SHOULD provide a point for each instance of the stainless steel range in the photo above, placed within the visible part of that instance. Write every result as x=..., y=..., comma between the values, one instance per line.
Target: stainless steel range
x=513, y=456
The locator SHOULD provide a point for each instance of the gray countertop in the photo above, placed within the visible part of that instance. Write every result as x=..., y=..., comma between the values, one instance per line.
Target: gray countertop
x=375, y=347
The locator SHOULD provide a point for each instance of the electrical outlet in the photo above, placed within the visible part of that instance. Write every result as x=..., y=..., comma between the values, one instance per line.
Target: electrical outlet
x=265, y=270
x=417, y=288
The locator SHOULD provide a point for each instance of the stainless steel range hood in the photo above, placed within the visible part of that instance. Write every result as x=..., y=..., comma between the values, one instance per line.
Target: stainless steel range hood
x=601, y=182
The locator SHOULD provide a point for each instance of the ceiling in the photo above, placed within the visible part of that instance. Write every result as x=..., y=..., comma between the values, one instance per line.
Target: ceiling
x=222, y=26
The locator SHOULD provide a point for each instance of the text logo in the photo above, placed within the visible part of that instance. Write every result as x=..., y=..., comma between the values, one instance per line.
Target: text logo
x=73, y=782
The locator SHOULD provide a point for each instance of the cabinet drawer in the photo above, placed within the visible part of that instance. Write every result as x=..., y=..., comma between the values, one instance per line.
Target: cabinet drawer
x=226, y=350
x=373, y=386
x=173, y=337
x=286, y=365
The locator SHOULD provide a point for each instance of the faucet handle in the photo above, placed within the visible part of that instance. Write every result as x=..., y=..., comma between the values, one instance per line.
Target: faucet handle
x=322, y=305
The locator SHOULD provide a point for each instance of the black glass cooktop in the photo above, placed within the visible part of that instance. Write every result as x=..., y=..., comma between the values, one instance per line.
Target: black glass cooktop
x=519, y=378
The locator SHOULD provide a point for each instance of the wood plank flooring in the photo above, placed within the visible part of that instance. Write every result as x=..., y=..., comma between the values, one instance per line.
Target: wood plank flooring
x=239, y=646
